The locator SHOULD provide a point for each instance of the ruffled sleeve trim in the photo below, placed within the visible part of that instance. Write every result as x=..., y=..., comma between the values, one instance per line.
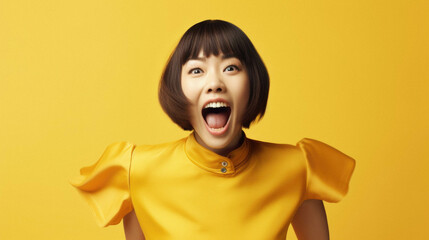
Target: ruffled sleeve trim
x=105, y=184
x=328, y=171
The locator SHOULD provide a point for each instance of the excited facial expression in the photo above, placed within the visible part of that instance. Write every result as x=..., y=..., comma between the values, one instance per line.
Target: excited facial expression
x=217, y=88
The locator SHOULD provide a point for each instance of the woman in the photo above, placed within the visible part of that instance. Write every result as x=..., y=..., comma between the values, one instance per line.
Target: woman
x=216, y=183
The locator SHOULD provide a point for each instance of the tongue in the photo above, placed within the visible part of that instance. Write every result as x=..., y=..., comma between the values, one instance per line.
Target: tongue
x=217, y=120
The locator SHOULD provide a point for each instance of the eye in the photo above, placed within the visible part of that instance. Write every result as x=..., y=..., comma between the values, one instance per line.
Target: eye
x=195, y=71
x=231, y=68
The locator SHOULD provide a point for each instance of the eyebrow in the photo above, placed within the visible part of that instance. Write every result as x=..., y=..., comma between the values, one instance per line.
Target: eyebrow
x=203, y=59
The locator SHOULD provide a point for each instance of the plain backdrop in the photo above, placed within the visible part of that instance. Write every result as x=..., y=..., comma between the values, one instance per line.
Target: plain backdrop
x=76, y=76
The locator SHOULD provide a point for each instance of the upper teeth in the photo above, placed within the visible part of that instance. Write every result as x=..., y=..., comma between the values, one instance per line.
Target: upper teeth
x=216, y=105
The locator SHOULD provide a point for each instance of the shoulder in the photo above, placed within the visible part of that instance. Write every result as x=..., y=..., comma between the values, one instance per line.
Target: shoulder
x=160, y=148
x=285, y=161
x=274, y=149
x=147, y=156
x=303, y=148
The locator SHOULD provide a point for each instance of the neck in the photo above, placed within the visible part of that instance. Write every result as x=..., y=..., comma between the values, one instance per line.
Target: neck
x=236, y=143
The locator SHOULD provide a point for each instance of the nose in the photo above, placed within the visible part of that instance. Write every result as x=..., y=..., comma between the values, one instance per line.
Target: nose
x=215, y=84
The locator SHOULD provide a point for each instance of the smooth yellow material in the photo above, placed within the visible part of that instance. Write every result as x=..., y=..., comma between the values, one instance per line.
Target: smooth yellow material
x=104, y=185
x=178, y=190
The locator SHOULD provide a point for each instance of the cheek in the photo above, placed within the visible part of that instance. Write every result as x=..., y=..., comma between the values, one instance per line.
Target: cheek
x=190, y=90
x=190, y=95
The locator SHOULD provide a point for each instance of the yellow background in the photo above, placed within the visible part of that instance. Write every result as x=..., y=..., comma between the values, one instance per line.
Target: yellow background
x=76, y=76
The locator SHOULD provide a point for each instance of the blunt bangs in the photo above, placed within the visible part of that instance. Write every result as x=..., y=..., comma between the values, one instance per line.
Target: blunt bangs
x=213, y=37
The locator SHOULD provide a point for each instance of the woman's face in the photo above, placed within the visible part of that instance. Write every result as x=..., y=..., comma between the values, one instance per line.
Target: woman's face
x=217, y=88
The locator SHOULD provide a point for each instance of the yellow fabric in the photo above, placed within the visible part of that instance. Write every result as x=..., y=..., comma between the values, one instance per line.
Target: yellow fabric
x=178, y=190
x=328, y=171
x=104, y=185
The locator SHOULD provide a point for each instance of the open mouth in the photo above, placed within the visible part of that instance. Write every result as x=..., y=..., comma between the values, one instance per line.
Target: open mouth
x=216, y=116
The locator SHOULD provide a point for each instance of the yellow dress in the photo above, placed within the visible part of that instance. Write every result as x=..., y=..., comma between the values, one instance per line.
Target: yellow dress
x=181, y=190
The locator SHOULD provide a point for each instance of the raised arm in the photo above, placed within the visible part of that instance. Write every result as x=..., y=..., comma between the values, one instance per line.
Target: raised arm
x=310, y=221
x=132, y=227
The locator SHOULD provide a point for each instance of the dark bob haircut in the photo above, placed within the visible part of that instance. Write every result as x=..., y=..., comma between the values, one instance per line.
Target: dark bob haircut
x=213, y=37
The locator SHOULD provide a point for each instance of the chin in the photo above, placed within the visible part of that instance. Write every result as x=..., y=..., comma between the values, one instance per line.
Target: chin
x=217, y=143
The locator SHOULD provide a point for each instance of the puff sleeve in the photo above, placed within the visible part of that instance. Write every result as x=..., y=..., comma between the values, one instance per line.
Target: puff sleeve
x=105, y=184
x=328, y=171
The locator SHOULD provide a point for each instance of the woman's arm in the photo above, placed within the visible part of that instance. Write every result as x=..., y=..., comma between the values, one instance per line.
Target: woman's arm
x=310, y=221
x=132, y=227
